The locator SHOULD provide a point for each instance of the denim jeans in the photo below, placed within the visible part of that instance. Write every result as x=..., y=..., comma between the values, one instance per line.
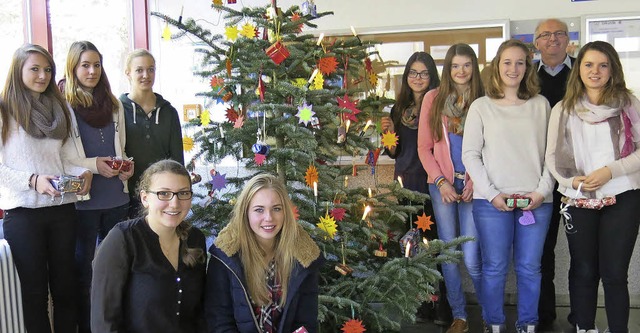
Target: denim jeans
x=453, y=220
x=91, y=229
x=42, y=242
x=601, y=248
x=500, y=234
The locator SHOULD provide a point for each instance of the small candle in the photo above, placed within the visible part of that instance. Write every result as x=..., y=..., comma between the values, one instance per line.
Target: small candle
x=367, y=209
x=320, y=39
x=370, y=193
x=407, y=250
x=346, y=181
x=366, y=126
x=315, y=190
x=353, y=31
x=400, y=181
x=313, y=75
x=221, y=132
x=425, y=241
x=347, y=125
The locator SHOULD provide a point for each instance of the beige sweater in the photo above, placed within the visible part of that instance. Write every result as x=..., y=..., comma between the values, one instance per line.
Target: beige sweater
x=503, y=148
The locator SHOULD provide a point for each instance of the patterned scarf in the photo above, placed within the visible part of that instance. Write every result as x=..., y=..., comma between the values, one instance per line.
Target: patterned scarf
x=411, y=116
x=99, y=114
x=455, y=108
x=269, y=314
x=47, y=119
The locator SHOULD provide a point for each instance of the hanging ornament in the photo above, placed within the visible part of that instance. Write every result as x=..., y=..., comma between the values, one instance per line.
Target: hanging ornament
x=277, y=52
x=327, y=65
x=315, y=123
x=228, y=65
x=216, y=82
x=354, y=169
x=261, y=89
x=343, y=268
x=353, y=326
x=424, y=222
x=166, y=32
x=349, y=105
x=299, y=82
x=296, y=17
x=380, y=252
x=318, y=82
x=216, y=2
x=187, y=143
x=311, y=175
x=218, y=181
x=227, y=97
x=231, y=114
x=239, y=122
x=373, y=79
x=372, y=159
x=261, y=147
x=296, y=213
x=342, y=133
x=248, y=30
x=368, y=65
x=338, y=213
x=390, y=139
x=305, y=113
x=328, y=225
x=387, y=83
x=205, y=118
x=195, y=178
x=259, y=159
x=309, y=8
x=231, y=32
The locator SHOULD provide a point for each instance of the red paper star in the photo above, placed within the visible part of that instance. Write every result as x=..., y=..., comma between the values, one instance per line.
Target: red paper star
x=349, y=105
x=296, y=213
x=367, y=65
x=424, y=222
x=260, y=158
x=232, y=115
x=338, y=213
x=353, y=326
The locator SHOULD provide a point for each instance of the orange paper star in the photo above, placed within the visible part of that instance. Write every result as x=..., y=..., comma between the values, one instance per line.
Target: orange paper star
x=311, y=175
x=353, y=326
x=327, y=65
x=424, y=222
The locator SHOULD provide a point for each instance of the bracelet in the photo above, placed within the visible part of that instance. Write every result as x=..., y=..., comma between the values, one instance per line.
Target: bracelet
x=35, y=186
x=440, y=181
x=30, y=178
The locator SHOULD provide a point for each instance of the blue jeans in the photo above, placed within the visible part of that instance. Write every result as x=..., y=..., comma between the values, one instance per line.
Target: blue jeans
x=456, y=219
x=499, y=234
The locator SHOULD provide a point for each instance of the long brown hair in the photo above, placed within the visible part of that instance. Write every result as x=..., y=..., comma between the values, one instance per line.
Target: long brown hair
x=448, y=86
x=252, y=255
x=615, y=92
x=405, y=95
x=16, y=96
x=529, y=86
x=73, y=92
x=190, y=256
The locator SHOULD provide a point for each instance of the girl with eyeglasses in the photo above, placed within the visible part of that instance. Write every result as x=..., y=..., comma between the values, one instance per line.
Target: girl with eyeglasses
x=149, y=273
x=442, y=121
x=592, y=150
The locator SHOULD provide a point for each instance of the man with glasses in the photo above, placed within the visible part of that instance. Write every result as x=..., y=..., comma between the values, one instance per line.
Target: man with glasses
x=551, y=39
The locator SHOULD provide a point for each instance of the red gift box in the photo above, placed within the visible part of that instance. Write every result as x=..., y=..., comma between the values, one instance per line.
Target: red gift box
x=117, y=163
x=277, y=52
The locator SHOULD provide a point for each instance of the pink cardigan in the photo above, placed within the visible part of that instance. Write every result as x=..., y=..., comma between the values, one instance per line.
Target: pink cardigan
x=435, y=156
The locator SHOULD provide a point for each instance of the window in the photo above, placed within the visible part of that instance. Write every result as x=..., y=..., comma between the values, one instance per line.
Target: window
x=12, y=37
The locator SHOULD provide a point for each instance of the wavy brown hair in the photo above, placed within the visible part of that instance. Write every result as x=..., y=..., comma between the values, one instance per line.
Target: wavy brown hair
x=615, y=92
x=73, y=92
x=529, y=86
x=252, y=255
x=448, y=86
x=190, y=256
x=16, y=96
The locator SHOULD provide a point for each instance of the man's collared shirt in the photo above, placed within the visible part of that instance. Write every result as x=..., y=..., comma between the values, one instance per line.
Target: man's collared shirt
x=554, y=71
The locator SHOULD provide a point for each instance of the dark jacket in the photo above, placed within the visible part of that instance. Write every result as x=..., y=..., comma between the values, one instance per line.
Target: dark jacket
x=151, y=138
x=227, y=305
x=136, y=289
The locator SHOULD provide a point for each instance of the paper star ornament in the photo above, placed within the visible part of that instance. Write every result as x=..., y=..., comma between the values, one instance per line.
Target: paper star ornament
x=218, y=181
x=231, y=114
x=187, y=143
x=311, y=175
x=296, y=213
x=328, y=224
x=231, y=32
x=373, y=79
x=248, y=30
x=305, y=113
x=239, y=122
x=260, y=158
x=216, y=83
x=205, y=118
x=349, y=105
x=318, y=82
x=338, y=213
x=299, y=82
x=327, y=65
x=389, y=139
x=424, y=222
x=353, y=326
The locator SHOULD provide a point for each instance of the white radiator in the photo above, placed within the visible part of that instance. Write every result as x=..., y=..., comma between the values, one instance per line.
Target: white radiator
x=11, y=320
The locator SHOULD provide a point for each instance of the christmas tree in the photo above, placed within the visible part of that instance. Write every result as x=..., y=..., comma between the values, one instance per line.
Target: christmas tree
x=292, y=110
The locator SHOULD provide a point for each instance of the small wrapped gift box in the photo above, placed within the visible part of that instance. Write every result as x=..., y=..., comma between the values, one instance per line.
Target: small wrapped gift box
x=67, y=184
x=277, y=52
x=343, y=269
x=120, y=164
x=517, y=202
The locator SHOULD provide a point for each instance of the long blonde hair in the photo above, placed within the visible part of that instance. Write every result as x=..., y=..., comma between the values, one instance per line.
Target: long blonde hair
x=253, y=257
x=73, y=92
x=529, y=86
x=15, y=95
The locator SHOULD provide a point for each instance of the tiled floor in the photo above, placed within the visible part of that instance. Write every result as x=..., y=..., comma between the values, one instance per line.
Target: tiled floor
x=561, y=325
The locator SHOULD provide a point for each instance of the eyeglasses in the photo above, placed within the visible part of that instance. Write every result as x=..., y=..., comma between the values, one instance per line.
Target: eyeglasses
x=168, y=195
x=414, y=74
x=546, y=35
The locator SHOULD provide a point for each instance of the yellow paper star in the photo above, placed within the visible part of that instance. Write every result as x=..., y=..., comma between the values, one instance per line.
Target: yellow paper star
x=231, y=32
x=187, y=143
x=328, y=224
x=205, y=118
x=389, y=139
x=299, y=82
x=424, y=222
x=248, y=30
x=373, y=79
x=318, y=82
x=217, y=2
x=311, y=175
